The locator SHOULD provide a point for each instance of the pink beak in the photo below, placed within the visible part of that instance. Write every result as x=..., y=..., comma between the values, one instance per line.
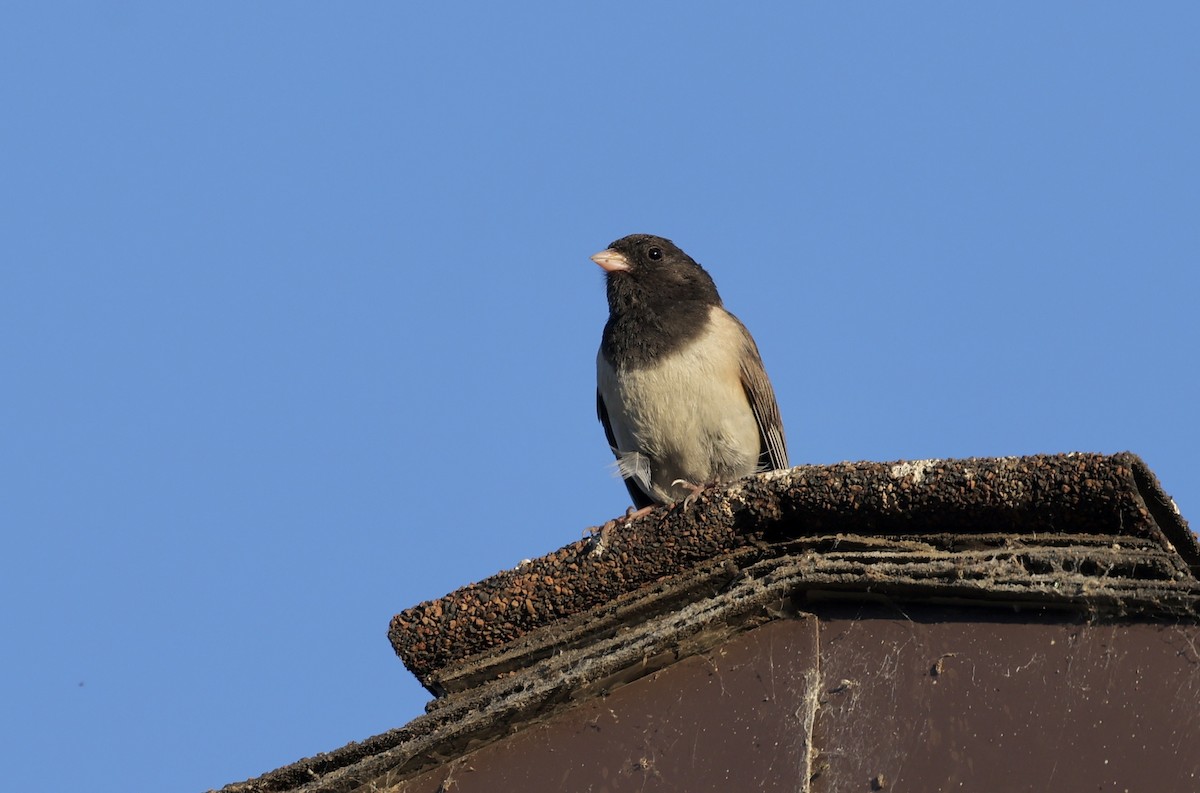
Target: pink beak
x=611, y=260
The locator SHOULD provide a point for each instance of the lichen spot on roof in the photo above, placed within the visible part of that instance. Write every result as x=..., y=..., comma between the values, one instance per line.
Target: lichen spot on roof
x=778, y=473
x=914, y=468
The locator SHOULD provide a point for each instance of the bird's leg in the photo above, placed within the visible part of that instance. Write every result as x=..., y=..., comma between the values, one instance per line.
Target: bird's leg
x=694, y=488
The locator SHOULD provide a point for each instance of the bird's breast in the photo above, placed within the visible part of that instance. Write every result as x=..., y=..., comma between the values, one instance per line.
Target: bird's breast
x=687, y=410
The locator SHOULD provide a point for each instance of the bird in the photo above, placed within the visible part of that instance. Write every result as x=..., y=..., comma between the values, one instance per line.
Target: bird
x=681, y=390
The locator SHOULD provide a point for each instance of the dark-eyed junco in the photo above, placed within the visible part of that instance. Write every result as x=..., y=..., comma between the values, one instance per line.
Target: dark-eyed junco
x=680, y=387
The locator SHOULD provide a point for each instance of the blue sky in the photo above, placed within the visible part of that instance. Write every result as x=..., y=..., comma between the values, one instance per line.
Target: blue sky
x=299, y=326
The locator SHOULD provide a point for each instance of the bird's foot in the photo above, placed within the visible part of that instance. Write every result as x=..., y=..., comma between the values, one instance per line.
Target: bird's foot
x=631, y=513
x=694, y=488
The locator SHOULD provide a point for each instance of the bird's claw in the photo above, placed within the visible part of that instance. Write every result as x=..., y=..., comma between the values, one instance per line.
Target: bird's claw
x=694, y=488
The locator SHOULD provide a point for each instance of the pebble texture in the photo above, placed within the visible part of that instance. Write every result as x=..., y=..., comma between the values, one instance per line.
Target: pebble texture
x=946, y=507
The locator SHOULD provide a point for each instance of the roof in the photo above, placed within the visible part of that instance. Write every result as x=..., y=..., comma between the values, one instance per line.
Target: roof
x=1083, y=529
x=1087, y=533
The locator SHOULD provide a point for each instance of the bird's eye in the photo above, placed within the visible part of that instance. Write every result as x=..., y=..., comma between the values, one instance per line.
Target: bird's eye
x=654, y=253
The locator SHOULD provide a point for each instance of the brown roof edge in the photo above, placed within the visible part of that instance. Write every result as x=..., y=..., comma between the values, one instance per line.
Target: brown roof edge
x=472, y=718
x=1088, y=533
x=1164, y=511
x=1085, y=501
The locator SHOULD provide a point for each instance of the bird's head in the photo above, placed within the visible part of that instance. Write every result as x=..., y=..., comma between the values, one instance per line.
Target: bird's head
x=655, y=268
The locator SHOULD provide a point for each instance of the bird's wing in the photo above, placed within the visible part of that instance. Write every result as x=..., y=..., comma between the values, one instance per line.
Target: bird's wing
x=762, y=402
x=640, y=498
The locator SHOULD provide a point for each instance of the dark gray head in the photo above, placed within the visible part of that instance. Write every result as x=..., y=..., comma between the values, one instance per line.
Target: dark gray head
x=658, y=297
x=653, y=273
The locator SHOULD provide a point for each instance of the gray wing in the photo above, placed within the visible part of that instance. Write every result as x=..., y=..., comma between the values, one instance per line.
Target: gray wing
x=762, y=402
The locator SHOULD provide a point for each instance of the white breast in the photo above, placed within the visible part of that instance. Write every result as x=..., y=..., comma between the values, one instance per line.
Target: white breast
x=686, y=417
